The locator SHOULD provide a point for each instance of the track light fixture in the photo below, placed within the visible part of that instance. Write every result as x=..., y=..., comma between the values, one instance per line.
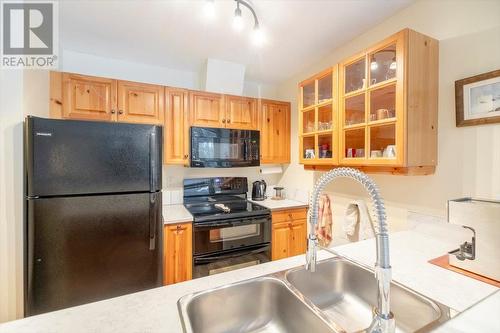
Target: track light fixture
x=258, y=36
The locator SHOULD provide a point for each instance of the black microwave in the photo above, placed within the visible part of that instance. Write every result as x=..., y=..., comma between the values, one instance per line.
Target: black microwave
x=224, y=147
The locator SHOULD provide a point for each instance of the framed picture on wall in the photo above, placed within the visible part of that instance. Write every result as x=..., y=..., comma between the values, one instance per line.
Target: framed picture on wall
x=477, y=99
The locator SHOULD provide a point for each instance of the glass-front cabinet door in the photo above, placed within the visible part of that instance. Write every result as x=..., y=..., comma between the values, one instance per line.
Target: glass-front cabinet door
x=318, y=119
x=371, y=105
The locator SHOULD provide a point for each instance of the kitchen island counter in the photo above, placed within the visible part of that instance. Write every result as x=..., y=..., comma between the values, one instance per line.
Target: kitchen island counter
x=156, y=310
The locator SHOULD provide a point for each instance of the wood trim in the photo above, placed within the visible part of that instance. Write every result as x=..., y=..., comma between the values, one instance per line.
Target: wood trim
x=375, y=169
x=172, y=142
x=56, y=95
x=421, y=100
x=459, y=100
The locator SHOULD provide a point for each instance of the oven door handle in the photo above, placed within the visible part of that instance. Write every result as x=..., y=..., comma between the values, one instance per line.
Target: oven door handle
x=233, y=224
x=206, y=260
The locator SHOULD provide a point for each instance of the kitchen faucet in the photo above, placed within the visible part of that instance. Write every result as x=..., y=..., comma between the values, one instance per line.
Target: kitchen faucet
x=383, y=320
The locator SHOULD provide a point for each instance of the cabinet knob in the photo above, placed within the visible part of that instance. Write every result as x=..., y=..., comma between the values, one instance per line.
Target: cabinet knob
x=186, y=156
x=228, y=121
x=120, y=111
x=113, y=111
x=223, y=121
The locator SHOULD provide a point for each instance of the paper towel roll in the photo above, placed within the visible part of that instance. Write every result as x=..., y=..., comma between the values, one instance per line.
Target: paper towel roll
x=271, y=170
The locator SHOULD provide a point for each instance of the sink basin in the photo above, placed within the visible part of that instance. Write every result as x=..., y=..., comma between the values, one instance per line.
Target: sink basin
x=260, y=305
x=347, y=294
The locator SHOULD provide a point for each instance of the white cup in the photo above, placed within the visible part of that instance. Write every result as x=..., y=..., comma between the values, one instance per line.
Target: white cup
x=390, y=151
x=375, y=153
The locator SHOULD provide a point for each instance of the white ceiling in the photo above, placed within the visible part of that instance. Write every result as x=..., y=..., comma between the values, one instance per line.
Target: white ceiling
x=177, y=35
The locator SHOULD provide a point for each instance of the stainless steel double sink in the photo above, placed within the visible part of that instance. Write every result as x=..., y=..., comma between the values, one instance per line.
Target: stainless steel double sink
x=339, y=297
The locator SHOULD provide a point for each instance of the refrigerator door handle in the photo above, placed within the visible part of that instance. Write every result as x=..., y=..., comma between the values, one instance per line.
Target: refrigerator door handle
x=153, y=217
x=153, y=149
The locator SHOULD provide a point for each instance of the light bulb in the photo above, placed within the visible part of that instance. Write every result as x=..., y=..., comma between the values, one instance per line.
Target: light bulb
x=209, y=10
x=258, y=36
x=237, y=20
x=393, y=64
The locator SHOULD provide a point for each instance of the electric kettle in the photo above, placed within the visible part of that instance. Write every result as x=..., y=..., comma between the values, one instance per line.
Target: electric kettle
x=259, y=190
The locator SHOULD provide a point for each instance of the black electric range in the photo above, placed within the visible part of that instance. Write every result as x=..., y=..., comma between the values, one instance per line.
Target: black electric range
x=229, y=232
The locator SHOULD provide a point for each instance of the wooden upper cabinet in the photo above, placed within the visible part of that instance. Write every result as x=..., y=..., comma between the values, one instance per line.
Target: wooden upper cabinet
x=387, y=108
x=241, y=112
x=140, y=103
x=274, y=125
x=206, y=109
x=87, y=97
x=318, y=128
x=176, y=134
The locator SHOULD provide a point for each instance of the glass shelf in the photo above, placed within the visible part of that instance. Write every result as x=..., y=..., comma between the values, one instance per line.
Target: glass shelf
x=355, y=110
x=383, y=103
x=325, y=115
x=308, y=95
x=383, y=141
x=325, y=146
x=325, y=88
x=308, y=147
x=355, y=143
x=355, y=76
x=308, y=121
x=383, y=65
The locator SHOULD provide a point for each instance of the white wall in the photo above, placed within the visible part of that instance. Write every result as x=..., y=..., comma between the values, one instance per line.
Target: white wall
x=469, y=158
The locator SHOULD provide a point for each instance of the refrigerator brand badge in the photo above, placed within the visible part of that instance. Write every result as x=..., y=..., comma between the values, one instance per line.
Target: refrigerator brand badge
x=43, y=134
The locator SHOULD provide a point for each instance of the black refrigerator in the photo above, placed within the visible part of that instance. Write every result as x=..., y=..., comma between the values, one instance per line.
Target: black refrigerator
x=93, y=224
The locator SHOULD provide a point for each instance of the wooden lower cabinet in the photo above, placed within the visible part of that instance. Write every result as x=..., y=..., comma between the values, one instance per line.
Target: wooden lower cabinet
x=178, y=253
x=289, y=233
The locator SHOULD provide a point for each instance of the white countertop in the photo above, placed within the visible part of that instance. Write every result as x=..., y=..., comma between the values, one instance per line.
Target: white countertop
x=281, y=204
x=175, y=214
x=155, y=310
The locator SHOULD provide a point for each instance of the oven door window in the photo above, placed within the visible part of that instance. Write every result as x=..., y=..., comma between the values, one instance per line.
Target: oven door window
x=234, y=233
x=217, y=236
x=229, y=261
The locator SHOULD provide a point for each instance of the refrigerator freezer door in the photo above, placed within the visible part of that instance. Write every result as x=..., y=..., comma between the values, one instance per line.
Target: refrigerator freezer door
x=85, y=249
x=68, y=157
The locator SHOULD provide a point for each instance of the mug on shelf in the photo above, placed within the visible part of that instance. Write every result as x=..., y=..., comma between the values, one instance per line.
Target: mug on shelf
x=375, y=153
x=350, y=152
x=360, y=152
x=309, y=153
x=390, y=151
x=382, y=114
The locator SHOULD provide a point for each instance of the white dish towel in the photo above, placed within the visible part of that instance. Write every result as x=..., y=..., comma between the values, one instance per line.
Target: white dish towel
x=358, y=223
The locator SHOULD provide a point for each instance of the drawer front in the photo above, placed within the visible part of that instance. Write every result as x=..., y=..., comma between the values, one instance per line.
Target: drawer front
x=289, y=215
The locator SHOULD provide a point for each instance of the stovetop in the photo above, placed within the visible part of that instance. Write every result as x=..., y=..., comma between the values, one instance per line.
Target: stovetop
x=211, y=208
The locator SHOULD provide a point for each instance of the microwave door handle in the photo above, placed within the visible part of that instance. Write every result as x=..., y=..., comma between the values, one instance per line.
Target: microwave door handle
x=245, y=150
